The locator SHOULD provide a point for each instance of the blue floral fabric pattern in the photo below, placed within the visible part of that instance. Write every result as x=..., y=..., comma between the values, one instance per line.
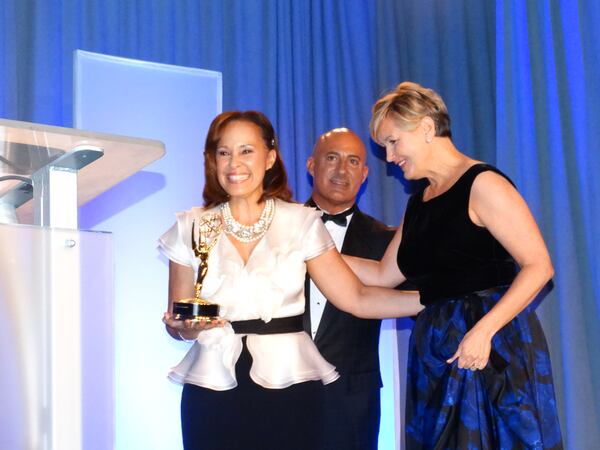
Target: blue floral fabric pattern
x=510, y=404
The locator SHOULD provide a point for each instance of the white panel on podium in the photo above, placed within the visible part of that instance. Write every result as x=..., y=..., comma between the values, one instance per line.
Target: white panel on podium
x=174, y=105
x=55, y=331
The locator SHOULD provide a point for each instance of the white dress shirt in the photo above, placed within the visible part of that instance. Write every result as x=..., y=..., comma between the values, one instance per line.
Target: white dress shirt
x=317, y=299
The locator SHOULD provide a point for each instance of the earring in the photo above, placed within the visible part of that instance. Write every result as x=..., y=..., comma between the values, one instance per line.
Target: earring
x=428, y=139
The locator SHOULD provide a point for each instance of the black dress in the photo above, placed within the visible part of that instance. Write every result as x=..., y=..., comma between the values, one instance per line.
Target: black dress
x=461, y=271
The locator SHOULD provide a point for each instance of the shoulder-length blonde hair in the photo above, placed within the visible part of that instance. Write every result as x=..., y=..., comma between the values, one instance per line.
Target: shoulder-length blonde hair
x=407, y=104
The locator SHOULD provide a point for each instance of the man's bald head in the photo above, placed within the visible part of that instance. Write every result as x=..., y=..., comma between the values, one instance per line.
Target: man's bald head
x=338, y=167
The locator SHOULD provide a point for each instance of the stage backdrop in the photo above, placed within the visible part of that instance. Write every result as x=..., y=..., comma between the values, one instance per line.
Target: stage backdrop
x=176, y=105
x=520, y=79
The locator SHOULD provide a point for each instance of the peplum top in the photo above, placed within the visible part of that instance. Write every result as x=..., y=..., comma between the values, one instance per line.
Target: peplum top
x=270, y=285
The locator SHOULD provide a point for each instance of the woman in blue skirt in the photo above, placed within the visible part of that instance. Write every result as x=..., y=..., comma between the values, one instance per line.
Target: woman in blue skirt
x=479, y=372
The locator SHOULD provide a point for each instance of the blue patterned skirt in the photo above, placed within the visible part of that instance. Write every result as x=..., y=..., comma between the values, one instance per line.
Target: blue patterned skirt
x=508, y=405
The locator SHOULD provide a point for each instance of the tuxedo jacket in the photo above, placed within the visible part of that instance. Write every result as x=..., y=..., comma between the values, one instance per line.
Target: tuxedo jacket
x=349, y=343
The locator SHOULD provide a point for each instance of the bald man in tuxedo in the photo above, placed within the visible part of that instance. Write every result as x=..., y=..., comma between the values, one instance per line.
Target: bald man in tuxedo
x=352, y=403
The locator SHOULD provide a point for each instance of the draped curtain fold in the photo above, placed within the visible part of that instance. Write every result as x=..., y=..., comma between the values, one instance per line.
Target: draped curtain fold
x=520, y=79
x=548, y=118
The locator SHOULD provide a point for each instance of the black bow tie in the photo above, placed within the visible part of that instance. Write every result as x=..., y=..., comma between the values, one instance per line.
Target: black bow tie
x=339, y=219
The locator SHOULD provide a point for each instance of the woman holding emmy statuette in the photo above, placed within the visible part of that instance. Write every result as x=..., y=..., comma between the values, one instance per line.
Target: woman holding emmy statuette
x=252, y=378
x=479, y=374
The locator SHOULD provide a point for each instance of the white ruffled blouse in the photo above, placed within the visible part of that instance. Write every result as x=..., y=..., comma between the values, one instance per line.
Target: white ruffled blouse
x=269, y=285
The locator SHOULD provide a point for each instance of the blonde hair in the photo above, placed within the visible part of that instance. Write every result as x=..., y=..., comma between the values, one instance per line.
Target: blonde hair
x=407, y=104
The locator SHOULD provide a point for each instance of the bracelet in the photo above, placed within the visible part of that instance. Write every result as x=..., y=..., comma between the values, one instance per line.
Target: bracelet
x=184, y=339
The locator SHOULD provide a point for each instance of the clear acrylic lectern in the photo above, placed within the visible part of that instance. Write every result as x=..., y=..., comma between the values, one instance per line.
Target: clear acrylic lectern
x=56, y=285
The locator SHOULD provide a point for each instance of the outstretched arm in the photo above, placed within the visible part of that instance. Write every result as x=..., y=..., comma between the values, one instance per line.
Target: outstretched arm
x=496, y=205
x=379, y=273
x=340, y=285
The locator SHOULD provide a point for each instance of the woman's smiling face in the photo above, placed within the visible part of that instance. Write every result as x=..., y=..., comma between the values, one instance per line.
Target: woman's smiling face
x=242, y=158
x=405, y=148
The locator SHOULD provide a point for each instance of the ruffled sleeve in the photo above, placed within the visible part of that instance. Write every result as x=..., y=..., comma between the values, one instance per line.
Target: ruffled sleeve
x=175, y=243
x=316, y=239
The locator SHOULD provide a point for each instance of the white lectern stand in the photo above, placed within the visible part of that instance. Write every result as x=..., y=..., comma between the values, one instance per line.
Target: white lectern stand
x=56, y=285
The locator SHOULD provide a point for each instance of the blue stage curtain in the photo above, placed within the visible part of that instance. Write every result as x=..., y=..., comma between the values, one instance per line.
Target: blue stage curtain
x=309, y=65
x=520, y=79
x=548, y=128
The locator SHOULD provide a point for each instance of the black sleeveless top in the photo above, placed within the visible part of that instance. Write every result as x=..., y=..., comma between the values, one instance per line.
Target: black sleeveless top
x=443, y=252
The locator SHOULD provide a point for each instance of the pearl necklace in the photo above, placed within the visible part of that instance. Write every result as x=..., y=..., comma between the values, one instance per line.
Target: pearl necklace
x=248, y=233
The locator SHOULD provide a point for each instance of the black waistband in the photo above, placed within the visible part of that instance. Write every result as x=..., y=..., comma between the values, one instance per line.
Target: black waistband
x=427, y=299
x=274, y=326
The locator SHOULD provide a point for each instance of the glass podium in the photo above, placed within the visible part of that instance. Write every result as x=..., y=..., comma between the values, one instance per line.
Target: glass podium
x=56, y=285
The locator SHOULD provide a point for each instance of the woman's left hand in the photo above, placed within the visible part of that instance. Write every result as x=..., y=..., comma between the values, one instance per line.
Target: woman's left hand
x=189, y=329
x=474, y=350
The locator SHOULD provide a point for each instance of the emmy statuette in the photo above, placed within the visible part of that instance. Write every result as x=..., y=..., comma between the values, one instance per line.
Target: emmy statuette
x=197, y=308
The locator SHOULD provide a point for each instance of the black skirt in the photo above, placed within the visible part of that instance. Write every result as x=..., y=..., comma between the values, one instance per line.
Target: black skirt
x=251, y=417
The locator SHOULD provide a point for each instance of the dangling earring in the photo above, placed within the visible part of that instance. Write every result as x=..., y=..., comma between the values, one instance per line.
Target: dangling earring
x=428, y=139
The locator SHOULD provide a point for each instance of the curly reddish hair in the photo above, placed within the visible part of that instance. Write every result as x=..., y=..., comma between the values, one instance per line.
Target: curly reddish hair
x=275, y=183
